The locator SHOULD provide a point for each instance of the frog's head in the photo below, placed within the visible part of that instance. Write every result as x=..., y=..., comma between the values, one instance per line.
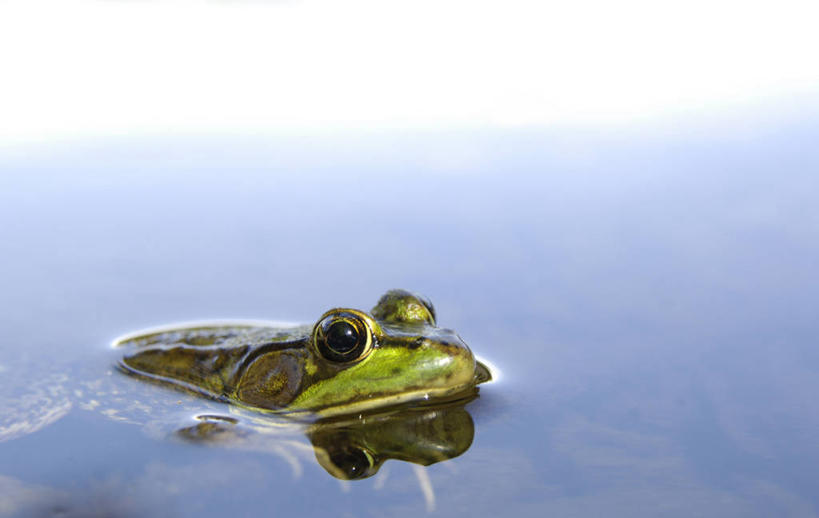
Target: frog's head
x=348, y=361
x=394, y=354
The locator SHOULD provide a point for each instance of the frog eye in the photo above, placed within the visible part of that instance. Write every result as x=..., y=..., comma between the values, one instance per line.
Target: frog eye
x=343, y=337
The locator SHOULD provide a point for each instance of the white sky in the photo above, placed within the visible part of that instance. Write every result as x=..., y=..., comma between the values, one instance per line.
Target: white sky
x=76, y=68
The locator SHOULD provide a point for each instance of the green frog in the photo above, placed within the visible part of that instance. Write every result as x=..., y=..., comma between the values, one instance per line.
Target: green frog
x=361, y=387
x=348, y=362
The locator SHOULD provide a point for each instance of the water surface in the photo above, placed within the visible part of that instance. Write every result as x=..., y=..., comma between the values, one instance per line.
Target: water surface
x=648, y=299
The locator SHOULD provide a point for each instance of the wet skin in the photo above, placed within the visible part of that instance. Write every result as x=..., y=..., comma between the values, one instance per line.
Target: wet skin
x=349, y=361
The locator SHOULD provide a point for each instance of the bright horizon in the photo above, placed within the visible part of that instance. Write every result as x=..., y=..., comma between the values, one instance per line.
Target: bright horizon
x=94, y=68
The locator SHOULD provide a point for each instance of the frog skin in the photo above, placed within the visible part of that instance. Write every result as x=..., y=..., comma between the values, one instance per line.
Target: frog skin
x=349, y=361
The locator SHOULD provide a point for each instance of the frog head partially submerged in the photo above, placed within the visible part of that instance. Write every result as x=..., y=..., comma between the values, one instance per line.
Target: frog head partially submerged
x=348, y=361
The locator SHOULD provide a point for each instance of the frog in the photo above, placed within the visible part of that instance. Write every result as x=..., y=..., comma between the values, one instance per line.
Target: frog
x=349, y=361
x=361, y=387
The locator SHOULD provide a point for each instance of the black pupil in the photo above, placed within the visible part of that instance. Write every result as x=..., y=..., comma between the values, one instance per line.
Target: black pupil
x=342, y=337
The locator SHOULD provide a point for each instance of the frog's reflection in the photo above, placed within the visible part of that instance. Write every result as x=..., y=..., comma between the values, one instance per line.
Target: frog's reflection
x=355, y=447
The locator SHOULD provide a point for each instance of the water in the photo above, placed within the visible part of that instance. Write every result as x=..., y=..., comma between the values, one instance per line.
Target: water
x=648, y=300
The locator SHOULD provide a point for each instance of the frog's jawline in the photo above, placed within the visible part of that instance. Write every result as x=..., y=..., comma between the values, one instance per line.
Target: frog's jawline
x=430, y=395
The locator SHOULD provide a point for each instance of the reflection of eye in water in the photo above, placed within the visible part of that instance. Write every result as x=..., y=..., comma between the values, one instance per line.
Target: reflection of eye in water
x=351, y=448
x=347, y=461
x=361, y=387
x=354, y=448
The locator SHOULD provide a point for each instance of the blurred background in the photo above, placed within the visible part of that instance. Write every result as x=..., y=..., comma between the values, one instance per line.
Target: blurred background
x=114, y=68
x=613, y=203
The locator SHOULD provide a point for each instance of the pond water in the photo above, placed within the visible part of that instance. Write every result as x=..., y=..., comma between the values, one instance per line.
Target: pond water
x=647, y=299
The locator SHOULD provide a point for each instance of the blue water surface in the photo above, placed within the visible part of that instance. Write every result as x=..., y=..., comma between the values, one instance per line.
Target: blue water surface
x=648, y=299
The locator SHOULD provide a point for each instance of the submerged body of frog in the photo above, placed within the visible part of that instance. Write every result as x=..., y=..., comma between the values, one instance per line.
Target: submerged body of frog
x=348, y=363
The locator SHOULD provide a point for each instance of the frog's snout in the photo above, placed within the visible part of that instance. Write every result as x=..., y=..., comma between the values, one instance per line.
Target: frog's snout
x=455, y=363
x=458, y=344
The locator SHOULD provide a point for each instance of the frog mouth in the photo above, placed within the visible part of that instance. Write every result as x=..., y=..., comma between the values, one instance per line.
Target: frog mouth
x=426, y=397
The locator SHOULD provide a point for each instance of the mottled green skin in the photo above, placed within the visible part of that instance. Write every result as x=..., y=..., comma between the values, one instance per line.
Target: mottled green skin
x=280, y=369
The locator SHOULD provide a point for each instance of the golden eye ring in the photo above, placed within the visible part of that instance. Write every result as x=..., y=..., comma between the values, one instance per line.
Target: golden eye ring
x=343, y=336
